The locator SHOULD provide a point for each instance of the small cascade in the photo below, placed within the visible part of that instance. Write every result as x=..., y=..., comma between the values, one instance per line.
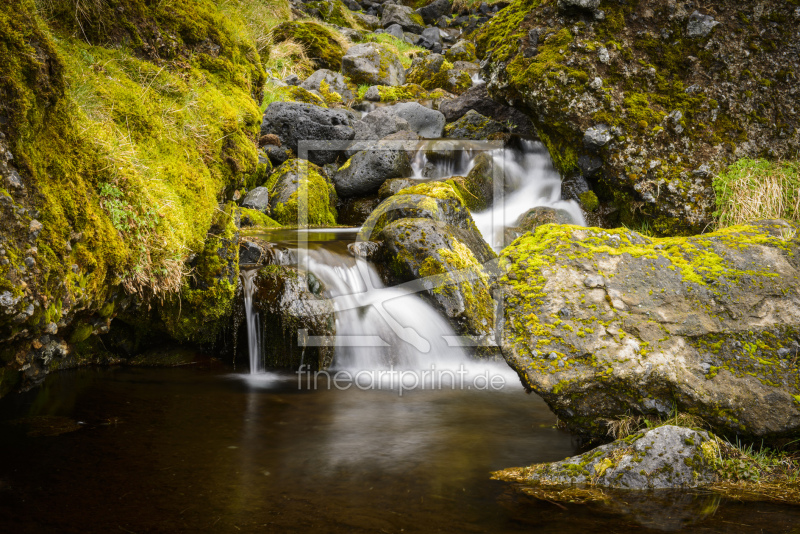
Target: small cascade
x=530, y=181
x=253, y=324
x=436, y=160
x=380, y=327
x=477, y=79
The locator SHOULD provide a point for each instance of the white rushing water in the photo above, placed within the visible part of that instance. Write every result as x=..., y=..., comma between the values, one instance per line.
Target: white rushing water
x=253, y=323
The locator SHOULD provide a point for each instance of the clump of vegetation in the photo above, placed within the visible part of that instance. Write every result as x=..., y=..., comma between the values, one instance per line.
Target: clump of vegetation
x=323, y=46
x=406, y=52
x=751, y=190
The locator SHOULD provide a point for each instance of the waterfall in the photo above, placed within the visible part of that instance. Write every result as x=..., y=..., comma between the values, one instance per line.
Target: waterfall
x=530, y=181
x=380, y=327
x=253, y=324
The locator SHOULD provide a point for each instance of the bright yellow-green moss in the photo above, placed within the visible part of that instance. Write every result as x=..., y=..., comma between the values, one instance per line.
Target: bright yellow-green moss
x=125, y=158
x=406, y=52
x=313, y=201
x=321, y=43
x=256, y=218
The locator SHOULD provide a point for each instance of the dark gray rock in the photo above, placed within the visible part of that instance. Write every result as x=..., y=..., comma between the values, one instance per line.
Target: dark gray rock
x=402, y=15
x=427, y=122
x=435, y=10
x=375, y=126
x=293, y=121
x=430, y=38
x=251, y=253
x=257, y=199
x=289, y=301
x=366, y=171
x=579, y=5
x=374, y=64
x=371, y=22
x=393, y=186
x=354, y=211
x=395, y=30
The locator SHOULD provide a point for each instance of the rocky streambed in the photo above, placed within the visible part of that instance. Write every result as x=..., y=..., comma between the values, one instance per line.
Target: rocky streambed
x=483, y=159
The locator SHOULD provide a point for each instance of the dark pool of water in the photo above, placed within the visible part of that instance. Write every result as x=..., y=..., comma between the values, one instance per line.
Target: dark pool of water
x=195, y=450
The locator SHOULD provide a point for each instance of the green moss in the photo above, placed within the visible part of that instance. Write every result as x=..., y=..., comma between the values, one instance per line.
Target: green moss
x=406, y=52
x=205, y=303
x=321, y=43
x=256, y=218
x=295, y=93
x=314, y=198
x=81, y=332
x=589, y=201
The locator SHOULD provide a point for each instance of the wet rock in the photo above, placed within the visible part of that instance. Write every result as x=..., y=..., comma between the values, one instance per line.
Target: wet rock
x=669, y=328
x=402, y=15
x=426, y=122
x=257, y=199
x=375, y=126
x=373, y=64
x=477, y=98
x=534, y=218
x=480, y=181
x=278, y=155
x=435, y=72
x=664, y=457
x=366, y=171
x=251, y=253
x=368, y=250
x=454, y=276
x=700, y=25
x=293, y=122
x=435, y=10
x=354, y=211
x=287, y=308
x=333, y=80
x=475, y=126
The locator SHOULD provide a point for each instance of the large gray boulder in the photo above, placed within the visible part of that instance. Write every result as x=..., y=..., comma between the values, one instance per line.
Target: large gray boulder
x=426, y=122
x=373, y=64
x=664, y=457
x=402, y=15
x=366, y=171
x=374, y=126
x=334, y=80
x=293, y=121
x=601, y=323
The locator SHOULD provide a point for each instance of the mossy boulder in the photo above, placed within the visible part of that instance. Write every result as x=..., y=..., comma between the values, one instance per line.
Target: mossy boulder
x=403, y=93
x=429, y=234
x=602, y=323
x=336, y=13
x=373, y=64
x=169, y=94
x=288, y=301
x=461, y=51
x=474, y=126
x=299, y=189
x=405, y=16
x=664, y=457
x=680, y=105
x=435, y=72
x=321, y=45
x=205, y=303
x=327, y=82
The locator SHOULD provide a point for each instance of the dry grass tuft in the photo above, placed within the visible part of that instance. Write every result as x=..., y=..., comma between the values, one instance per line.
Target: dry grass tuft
x=752, y=190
